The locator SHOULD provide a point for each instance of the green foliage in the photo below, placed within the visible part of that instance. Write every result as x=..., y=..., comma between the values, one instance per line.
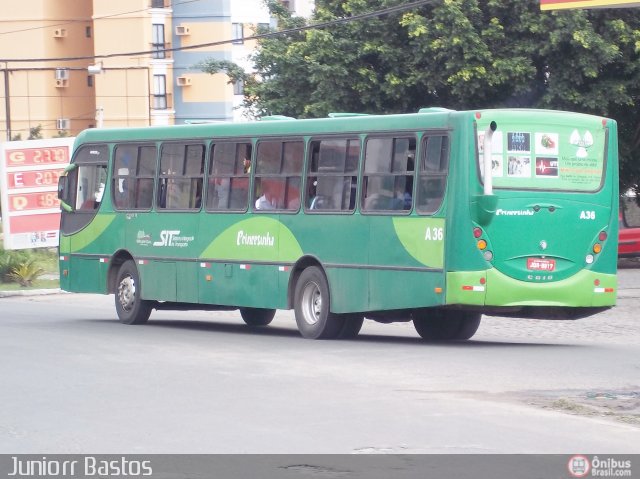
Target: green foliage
x=233, y=71
x=25, y=266
x=10, y=260
x=35, y=133
x=26, y=273
x=460, y=54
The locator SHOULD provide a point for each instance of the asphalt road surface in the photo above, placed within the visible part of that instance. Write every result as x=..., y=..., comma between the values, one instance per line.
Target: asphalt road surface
x=74, y=380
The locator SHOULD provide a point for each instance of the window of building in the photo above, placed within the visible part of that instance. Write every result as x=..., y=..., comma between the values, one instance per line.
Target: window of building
x=181, y=176
x=388, y=174
x=157, y=42
x=160, y=92
x=432, y=177
x=238, y=87
x=277, y=176
x=332, y=179
x=237, y=33
x=229, y=170
x=87, y=32
x=90, y=81
x=134, y=170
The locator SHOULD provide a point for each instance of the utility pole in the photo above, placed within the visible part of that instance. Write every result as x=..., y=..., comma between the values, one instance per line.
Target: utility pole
x=7, y=102
x=99, y=117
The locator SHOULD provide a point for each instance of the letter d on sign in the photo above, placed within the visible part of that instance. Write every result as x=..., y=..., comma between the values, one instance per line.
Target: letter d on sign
x=18, y=203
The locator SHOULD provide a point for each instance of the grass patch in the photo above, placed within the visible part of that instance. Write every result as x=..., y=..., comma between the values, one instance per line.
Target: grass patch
x=37, y=284
x=47, y=258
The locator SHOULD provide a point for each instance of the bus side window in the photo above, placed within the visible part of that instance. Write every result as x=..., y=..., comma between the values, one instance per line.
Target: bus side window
x=388, y=174
x=432, y=178
x=133, y=174
x=333, y=173
x=228, y=182
x=181, y=176
x=278, y=175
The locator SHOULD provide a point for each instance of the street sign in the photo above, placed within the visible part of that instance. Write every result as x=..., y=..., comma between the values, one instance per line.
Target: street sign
x=29, y=172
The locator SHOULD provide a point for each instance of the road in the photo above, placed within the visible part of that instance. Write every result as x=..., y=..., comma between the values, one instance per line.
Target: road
x=74, y=380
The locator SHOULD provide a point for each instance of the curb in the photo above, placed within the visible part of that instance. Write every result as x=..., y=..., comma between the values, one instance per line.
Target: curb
x=31, y=292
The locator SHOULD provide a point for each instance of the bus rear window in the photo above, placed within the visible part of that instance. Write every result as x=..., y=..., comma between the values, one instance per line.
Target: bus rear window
x=547, y=151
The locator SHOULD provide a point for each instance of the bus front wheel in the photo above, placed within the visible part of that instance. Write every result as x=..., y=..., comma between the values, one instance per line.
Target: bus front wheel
x=441, y=325
x=312, y=306
x=257, y=316
x=131, y=308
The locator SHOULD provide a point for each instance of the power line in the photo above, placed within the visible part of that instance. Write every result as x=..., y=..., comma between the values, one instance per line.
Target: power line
x=70, y=22
x=316, y=26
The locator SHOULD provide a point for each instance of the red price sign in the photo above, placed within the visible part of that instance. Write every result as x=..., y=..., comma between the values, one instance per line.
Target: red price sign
x=33, y=179
x=37, y=156
x=34, y=201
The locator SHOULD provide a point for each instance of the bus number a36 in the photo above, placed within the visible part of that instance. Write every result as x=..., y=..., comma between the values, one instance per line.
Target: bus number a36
x=434, y=234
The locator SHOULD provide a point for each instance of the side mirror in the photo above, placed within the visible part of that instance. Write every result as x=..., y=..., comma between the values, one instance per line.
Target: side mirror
x=63, y=193
x=63, y=183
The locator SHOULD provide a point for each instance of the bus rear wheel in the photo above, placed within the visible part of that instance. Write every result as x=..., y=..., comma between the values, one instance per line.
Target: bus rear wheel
x=257, y=316
x=312, y=306
x=441, y=325
x=131, y=308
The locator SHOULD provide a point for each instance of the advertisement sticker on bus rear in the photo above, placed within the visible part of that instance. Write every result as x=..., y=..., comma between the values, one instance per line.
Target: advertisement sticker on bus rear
x=530, y=154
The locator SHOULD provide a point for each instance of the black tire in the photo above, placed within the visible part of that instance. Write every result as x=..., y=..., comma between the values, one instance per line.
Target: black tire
x=352, y=326
x=312, y=304
x=442, y=325
x=131, y=308
x=257, y=316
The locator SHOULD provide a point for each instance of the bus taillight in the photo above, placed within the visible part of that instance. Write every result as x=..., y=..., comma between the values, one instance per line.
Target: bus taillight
x=477, y=232
x=602, y=236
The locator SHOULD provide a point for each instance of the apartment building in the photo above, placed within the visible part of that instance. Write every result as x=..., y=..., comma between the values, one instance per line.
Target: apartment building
x=67, y=65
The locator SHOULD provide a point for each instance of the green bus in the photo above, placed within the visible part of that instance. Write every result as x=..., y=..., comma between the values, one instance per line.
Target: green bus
x=435, y=217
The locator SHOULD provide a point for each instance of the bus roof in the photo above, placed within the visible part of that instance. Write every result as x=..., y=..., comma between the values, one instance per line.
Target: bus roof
x=345, y=123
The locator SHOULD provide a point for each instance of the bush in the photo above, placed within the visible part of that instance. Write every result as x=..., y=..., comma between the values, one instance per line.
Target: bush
x=26, y=273
x=9, y=261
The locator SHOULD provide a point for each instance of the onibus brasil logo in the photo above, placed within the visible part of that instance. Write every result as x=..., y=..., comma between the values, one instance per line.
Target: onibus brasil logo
x=581, y=466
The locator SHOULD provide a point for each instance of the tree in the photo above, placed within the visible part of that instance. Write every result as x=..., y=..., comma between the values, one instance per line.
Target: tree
x=35, y=133
x=459, y=54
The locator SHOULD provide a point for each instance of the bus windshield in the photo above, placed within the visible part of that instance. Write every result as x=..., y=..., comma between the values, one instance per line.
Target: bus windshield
x=544, y=150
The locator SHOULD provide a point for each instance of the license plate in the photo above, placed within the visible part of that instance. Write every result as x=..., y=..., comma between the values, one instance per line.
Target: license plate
x=538, y=264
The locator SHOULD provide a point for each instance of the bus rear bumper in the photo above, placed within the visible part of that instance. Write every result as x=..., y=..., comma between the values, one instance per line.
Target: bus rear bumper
x=490, y=288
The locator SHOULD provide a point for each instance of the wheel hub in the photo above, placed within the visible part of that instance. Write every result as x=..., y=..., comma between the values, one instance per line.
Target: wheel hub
x=127, y=293
x=311, y=303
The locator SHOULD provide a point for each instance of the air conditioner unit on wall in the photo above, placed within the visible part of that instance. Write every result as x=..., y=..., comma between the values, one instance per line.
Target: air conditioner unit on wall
x=183, y=81
x=182, y=30
x=63, y=124
x=60, y=32
x=62, y=83
x=62, y=74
